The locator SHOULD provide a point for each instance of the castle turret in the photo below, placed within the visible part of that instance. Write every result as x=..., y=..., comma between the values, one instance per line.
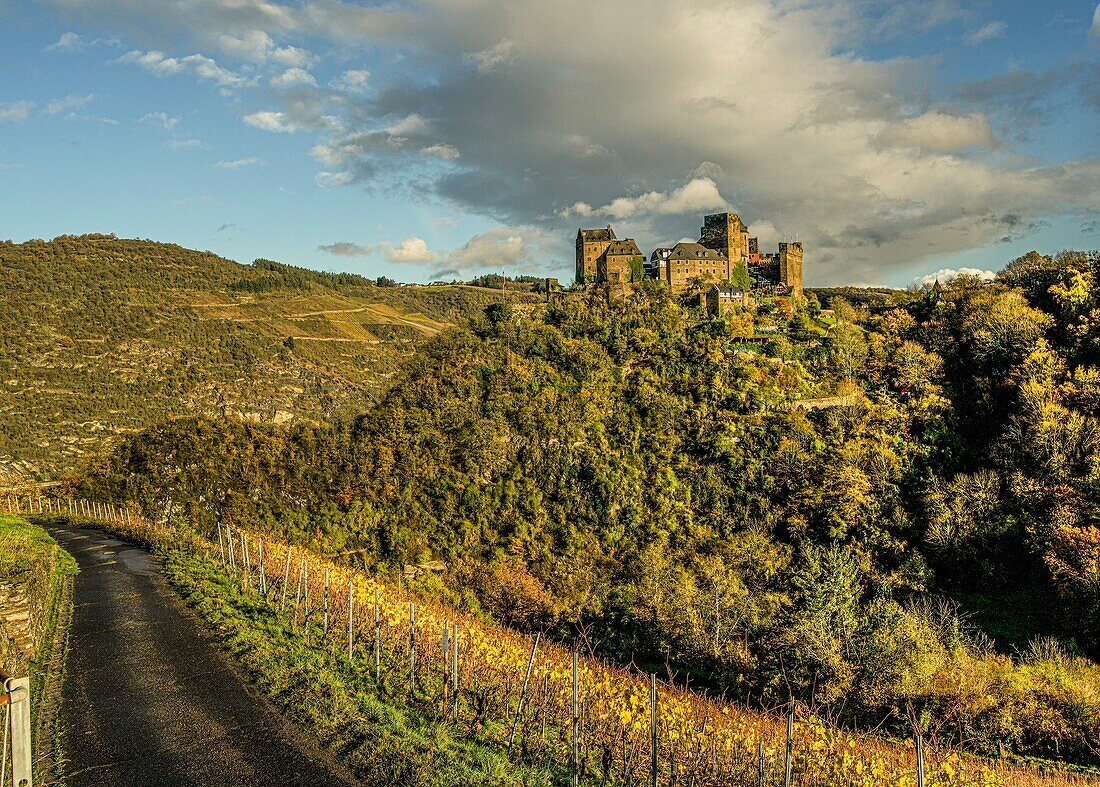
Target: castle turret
x=591, y=244
x=790, y=267
x=726, y=233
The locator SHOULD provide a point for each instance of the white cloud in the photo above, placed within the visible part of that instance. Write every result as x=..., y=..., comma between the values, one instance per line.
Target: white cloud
x=411, y=125
x=15, y=111
x=939, y=132
x=302, y=114
x=68, y=104
x=162, y=119
x=69, y=42
x=443, y=151
x=294, y=57
x=944, y=275
x=696, y=196
x=352, y=81
x=411, y=250
x=327, y=180
x=995, y=29
x=292, y=78
x=270, y=120
x=252, y=46
x=257, y=47
x=579, y=209
x=200, y=66
x=500, y=247
x=347, y=249
x=76, y=117
x=183, y=144
x=489, y=58
x=1094, y=31
x=239, y=163
x=73, y=42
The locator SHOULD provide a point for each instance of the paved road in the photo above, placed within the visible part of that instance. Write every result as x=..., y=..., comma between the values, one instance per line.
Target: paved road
x=149, y=699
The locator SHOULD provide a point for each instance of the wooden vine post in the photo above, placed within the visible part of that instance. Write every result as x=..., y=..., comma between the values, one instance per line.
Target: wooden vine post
x=298, y=592
x=246, y=577
x=454, y=669
x=324, y=627
x=286, y=577
x=653, y=764
x=574, y=753
x=412, y=649
x=920, y=760
x=221, y=545
x=377, y=641
x=523, y=691
x=351, y=618
x=446, y=650
x=789, y=750
x=263, y=572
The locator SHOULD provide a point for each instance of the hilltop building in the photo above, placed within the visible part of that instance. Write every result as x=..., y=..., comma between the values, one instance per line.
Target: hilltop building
x=688, y=263
x=790, y=267
x=591, y=244
x=602, y=257
x=616, y=261
x=725, y=253
x=657, y=267
x=720, y=299
x=726, y=233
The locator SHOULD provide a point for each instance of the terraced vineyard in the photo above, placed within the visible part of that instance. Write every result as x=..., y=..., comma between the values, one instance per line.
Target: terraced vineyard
x=102, y=336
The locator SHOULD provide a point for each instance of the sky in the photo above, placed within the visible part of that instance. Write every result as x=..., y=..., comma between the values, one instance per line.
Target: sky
x=440, y=139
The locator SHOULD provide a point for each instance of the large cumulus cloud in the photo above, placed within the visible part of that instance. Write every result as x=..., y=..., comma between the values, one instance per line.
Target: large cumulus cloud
x=643, y=112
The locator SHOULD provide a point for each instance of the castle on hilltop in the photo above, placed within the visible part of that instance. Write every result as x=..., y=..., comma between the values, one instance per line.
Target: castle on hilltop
x=724, y=253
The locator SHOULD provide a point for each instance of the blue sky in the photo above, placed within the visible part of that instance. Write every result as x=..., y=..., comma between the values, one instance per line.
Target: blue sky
x=435, y=139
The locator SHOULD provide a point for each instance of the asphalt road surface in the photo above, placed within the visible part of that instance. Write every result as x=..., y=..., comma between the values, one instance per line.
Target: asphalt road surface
x=149, y=699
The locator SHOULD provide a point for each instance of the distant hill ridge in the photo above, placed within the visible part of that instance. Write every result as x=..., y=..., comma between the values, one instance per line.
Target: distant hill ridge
x=102, y=336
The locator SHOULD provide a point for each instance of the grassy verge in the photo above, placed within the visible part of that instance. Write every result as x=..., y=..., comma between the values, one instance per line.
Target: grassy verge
x=383, y=741
x=36, y=577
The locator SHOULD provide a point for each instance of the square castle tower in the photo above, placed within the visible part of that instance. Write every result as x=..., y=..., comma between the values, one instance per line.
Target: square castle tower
x=725, y=232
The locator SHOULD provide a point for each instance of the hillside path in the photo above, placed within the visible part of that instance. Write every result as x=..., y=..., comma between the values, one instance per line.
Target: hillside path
x=148, y=697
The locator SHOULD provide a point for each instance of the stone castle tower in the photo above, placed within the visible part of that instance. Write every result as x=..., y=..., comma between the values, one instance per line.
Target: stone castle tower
x=591, y=244
x=790, y=267
x=725, y=232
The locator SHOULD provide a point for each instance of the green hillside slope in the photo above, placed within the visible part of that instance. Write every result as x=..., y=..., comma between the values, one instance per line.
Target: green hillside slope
x=101, y=336
x=678, y=494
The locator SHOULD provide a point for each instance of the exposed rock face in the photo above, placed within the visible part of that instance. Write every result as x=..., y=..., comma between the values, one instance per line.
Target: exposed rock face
x=25, y=597
x=16, y=627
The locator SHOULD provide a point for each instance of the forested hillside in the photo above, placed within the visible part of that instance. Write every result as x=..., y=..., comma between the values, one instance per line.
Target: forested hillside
x=927, y=549
x=101, y=336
